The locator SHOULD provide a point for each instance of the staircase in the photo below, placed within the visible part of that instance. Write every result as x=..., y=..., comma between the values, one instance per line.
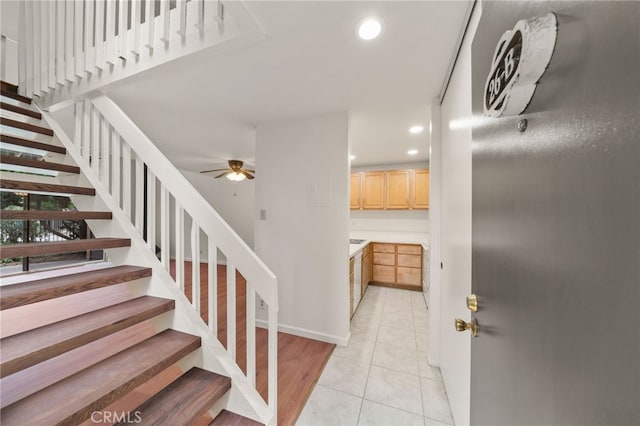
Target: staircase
x=84, y=343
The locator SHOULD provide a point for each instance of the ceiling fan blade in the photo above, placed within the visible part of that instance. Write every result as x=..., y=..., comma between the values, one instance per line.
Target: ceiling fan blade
x=249, y=170
x=214, y=170
x=224, y=174
x=248, y=175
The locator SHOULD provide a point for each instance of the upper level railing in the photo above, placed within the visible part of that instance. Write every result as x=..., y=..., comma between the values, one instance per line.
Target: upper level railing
x=70, y=47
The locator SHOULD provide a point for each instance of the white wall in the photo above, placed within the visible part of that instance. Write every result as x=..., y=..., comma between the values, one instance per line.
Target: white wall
x=303, y=188
x=234, y=201
x=455, y=238
x=435, y=174
x=9, y=49
x=390, y=220
x=8, y=60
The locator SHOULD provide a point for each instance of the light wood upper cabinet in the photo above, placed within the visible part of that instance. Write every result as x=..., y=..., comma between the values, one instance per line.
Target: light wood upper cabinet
x=355, y=196
x=390, y=190
x=420, y=196
x=373, y=190
x=397, y=189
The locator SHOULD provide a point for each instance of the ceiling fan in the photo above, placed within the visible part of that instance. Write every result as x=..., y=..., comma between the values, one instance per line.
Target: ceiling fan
x=235, y=171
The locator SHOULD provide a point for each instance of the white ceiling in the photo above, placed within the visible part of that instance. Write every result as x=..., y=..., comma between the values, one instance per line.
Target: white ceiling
x=203, y=109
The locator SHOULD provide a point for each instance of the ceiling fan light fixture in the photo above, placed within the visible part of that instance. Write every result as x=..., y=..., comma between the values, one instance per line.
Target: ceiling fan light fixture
x=236, y=172
x=236, y=177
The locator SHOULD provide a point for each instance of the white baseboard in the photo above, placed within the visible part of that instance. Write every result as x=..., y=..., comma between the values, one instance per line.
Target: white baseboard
x=309, y=334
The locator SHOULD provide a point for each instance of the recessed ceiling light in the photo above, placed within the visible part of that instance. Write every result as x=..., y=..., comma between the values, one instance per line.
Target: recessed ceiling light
x=416, y=129
x=412, y=152
x=353, y=157
x=369, y=29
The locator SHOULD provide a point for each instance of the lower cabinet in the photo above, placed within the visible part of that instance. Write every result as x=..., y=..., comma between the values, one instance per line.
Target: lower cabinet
x=351, y=286
x=384, y=274
x=425, y=275
x=398, y=265
x=367, y=267
x=394, y=265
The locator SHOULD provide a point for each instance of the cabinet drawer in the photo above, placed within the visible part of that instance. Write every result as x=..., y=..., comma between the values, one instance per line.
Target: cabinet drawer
x=409, y=249
x=384, y=259
x=410, y=276
x=384, y=248
x=410, y=260
x=386, y=274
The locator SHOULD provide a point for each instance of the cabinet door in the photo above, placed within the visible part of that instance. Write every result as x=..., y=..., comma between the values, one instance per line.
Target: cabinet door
x=420, y=196
x=373, y=190
x=351, y=286
x=410, y=260
x=409, y=249
x=397, y=189
x=384, y=274
x=384, y=259
x=355, y=196
x=366, y=272
x=411, y=276
x=384, y=248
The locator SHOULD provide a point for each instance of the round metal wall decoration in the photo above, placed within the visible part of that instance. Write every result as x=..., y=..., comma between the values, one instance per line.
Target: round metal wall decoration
x=519, y=61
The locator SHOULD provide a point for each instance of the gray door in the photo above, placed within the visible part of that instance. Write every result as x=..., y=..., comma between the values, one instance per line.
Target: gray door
x=556, y=226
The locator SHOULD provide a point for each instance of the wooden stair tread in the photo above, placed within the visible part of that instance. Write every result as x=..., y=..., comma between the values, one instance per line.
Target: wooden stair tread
x=15, y=96
x=34, y=291
x=38, y=164
x=73, y=399
x=32, y=347
x=227, y=418
x=20, y=110
x=26, y=126
x=14, y=140
x=53, y=215
x=57, y=247
x=45, y=187
x=184, y=400
x=9, y=87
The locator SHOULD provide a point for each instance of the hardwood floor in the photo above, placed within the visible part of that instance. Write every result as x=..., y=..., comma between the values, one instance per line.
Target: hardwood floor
x=300, y=360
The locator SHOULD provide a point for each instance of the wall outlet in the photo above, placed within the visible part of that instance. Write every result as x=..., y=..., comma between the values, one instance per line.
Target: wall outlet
x=263, y=214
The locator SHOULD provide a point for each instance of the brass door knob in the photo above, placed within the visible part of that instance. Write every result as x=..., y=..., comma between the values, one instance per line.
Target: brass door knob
x=472, y=302
x=472, y=325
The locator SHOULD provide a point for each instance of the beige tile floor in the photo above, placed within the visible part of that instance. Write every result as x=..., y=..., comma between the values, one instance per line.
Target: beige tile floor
x=382, y=377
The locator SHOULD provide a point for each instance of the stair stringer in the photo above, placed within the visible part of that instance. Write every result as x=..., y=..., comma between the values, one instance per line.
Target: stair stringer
x=243, y=398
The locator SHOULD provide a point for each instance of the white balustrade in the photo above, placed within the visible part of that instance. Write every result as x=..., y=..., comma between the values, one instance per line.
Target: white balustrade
x=120, y=155
x=72, y=47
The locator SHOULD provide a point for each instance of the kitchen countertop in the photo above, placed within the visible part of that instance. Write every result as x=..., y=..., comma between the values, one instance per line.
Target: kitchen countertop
x=387, y=237
x=355, y=248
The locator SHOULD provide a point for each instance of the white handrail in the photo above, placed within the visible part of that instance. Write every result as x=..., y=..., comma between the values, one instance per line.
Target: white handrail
x=122, y=157
x=246, y=261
